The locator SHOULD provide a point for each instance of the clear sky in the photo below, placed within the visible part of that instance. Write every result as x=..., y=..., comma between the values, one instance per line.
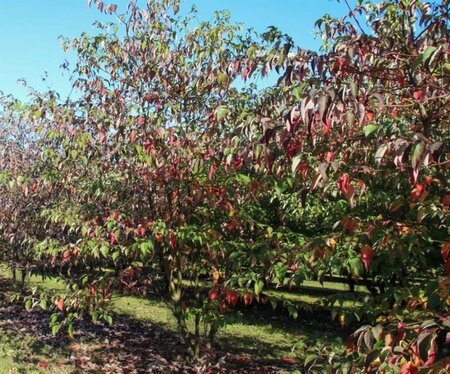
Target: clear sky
x=29, y=31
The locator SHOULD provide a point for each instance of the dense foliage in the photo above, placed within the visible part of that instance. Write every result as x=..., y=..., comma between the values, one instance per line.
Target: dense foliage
x=172, y=171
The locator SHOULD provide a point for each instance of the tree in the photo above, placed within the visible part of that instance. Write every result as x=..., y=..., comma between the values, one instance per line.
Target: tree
x=136, y=200
x=356, y=140
x=163, y=175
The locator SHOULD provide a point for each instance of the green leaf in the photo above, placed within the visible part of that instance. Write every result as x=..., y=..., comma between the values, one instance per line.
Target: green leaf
x=104, y=250
x=115, y=255
x=251, y=51
x=297, y=91
x=223, y=78
x=70, y=329
x=28, y=305
x=427, y=55
x=233, y=255
x=221, y=112
x=377, y=331
x=20, y=180
x=43, y=304
x=273, y=303
x=293, y=312
x=258, y=150
x=242, y=178
x=145, y=247
x=427, y=324
x=369, y=129
x=417, y=62
x=423, y=57
x=418, y=152
x=259, y=285
x=55, y=328
x=295, y=161
x=310, y=359
x=381, y=151
x=356, y=267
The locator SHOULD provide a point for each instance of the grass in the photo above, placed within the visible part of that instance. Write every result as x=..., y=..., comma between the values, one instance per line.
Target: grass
x=255, y=330
x=22, y=354
x=147, y=310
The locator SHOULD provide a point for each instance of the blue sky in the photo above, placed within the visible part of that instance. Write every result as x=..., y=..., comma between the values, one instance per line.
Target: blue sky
x=29, y=31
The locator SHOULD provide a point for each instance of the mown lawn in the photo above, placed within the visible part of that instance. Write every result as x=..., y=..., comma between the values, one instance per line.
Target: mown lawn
x=251, y=333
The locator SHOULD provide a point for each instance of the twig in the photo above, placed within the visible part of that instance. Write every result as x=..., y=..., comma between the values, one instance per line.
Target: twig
x=354, y=17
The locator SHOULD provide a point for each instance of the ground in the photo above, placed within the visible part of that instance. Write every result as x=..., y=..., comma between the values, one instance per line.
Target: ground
x=143, y=339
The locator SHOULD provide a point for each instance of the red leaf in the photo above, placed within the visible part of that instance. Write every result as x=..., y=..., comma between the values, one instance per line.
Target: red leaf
x=148, y=146
x=419, y=192
x=446, y=201
x=326, y=128
x=43, y=364
x=409, y=368
x=112, y=238
x=315, y=181
x=445, y=251
x=111, y=8
x=158, y=236
x=304, y=170
x=213, y=295
x=65, y=255
x=229, y=206
x=349, y=224
x=248, y=299
x=140, y=121
x=329, y=156
x=212, y=170
x=343, y=182
x=366, y=255
x=361, y=185
x=431, y=356
x=420, y=189
x=289, y=360
x=341, y=62
x=350, y=194
x=413, y=176
x=59, y=304
x=231, y=296
x=102, y=137
x=369, y=116
x=140, y=231
x=417, y=95
x=173, y=240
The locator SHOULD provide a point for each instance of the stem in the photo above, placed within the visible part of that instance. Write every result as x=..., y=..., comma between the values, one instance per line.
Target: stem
x=212, y=335
x=353, y=16
x=196, y=339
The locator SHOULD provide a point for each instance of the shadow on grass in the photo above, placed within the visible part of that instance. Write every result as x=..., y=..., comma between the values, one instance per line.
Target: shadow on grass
x=143, y=339
x=275, y=334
